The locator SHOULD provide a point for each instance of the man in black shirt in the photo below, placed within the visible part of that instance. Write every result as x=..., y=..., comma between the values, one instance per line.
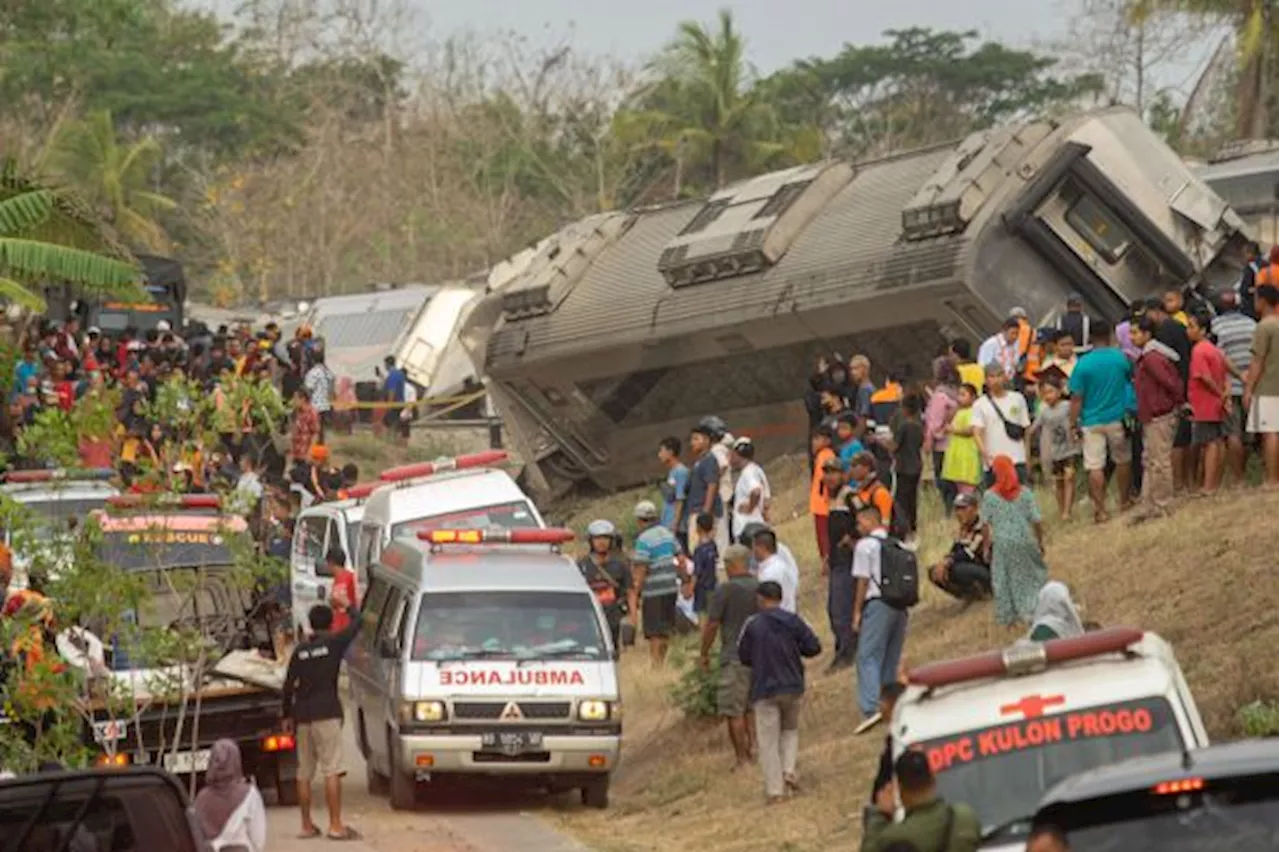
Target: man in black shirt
x=312, y=706
x=838, y=568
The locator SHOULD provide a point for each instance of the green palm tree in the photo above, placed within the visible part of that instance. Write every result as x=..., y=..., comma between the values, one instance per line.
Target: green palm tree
x=113, y=177
x=46, y=237
x=707, y=108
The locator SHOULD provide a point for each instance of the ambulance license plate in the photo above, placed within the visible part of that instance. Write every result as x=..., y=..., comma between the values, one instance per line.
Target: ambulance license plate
x=511, y=742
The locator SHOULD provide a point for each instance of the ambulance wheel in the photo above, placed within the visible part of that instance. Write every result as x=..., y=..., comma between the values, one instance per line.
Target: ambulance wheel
x=595, y=793
x=403, y=786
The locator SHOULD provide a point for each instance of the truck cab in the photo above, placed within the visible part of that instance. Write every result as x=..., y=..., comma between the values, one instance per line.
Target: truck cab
x=52, y=502
x=465, y=492
x=1001, y=728
x=484, y=652
x=320, y=528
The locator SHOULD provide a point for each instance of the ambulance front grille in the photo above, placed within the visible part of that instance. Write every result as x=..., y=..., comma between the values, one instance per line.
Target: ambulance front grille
x=491, y=711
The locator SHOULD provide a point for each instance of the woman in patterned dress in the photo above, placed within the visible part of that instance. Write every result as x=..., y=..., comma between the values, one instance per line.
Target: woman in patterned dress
x=1015, y=541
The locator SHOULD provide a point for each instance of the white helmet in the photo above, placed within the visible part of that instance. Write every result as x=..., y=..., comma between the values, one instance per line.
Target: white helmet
x=601, y=529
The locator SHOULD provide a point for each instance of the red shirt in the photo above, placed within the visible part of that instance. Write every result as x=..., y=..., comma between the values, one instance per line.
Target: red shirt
x=1208, y=361
x=343, y=597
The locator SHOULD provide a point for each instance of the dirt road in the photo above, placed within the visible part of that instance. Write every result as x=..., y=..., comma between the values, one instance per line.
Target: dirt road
x=495, y=821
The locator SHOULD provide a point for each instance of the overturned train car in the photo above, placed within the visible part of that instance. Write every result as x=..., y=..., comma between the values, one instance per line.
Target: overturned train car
x=628, y=326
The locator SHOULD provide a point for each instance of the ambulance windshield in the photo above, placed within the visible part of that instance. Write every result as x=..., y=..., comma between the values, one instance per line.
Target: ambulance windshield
x=1003, y=771
x=508, y=626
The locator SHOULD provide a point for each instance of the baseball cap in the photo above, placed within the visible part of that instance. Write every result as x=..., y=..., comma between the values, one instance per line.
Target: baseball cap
x=864, y=458
x=965, y=501
x=646, y=511
x=832, y=463
x=93, y=329
x=1075, y=299
x=743, y=445
x=1018, y=312
x=737, y=554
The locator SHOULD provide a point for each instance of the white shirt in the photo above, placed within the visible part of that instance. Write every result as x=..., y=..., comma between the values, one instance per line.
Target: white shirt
x=721, y=452
x=996, y=350
x=994, y=439
x=866, y=561
x=782, y=569
x=750, y=478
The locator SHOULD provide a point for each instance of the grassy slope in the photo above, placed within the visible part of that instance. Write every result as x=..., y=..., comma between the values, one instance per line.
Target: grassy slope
x=1204, y=579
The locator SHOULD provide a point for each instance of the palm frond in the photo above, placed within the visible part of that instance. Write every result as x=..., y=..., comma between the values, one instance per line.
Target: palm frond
x=20, y=294
x=20, y=213
x=34, y=259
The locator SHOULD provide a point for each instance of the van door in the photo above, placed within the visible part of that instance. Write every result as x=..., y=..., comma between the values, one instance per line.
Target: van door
x=310, y=543
x=387, y=651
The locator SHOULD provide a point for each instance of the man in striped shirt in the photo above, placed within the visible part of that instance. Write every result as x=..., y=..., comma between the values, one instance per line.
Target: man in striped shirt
x=656, y=571
x=1234, y=333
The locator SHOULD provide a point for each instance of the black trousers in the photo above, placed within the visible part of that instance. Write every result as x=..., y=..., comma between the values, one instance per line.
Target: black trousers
x=840, y=611
x=907, y=499
x=967, y=581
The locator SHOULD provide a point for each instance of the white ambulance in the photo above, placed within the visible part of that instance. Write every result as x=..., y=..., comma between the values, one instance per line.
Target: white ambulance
x=466, y=492
x=321, y=527
x=1002, y=728
x=484, y=652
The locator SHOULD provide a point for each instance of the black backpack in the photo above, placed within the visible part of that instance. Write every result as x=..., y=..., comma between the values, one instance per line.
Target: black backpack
x=899, y=575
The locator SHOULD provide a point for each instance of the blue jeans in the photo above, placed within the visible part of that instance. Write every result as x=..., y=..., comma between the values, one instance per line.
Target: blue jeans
x=880, y=641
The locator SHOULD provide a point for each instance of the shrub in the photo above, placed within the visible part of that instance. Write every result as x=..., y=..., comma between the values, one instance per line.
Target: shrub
x=1259, y=719
x=695, y=690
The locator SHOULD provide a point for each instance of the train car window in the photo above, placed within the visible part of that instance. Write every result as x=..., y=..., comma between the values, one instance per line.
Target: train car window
x=1091, y=219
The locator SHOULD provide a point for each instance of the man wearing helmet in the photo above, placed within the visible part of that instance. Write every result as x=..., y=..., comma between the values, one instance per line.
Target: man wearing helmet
x=607, y=575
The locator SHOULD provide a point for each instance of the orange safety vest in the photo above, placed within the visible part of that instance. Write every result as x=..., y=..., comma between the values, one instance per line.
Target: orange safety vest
x=1269, y=274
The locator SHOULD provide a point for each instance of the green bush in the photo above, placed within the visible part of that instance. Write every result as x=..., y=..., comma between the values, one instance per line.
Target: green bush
x=1259, y=719
x=695, y=691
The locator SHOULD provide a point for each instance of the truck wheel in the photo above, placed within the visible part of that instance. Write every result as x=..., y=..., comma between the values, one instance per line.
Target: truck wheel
x=403, y=786
x=595, y=793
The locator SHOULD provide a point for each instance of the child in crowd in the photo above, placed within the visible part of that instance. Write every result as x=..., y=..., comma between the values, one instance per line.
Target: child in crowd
x=961, y=464
x=1059, y=449
x=705, y=557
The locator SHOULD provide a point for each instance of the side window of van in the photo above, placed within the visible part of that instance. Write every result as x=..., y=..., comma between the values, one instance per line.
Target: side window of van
x=391, y=625
x=374, y=600
x=311, y=542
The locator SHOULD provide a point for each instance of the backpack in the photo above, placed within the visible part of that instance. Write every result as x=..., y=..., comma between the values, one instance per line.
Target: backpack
x=899, y=575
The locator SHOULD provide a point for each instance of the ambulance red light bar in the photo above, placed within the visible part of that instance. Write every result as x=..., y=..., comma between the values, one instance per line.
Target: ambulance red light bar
x=416, y=471
x=1024, y=657
x=1180, y=785
x=168, y=501
x=360, y=491
x=497, y=536
x=71, y=473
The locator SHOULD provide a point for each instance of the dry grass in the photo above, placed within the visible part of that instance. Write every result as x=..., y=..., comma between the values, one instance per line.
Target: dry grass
x=373, y=453
x=1205, y=580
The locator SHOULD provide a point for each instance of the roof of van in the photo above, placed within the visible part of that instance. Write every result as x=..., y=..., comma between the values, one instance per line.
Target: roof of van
x=485, y=567
x=352, y=510
x=924, y=714
x=443, y=493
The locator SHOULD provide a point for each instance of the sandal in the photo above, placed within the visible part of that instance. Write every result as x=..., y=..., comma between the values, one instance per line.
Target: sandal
x=348, y=833
x=309, y=835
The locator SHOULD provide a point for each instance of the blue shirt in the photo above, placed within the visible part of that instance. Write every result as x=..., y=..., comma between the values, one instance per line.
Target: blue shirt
x=22, y=373
x=705, y=476
x=394, y=385
x=656, y=549
x=705, y=557
x=1101, y=380
x=848, y=451
x=675, y=489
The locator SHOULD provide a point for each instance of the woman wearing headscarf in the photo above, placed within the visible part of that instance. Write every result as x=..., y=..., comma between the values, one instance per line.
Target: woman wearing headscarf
x=1056, y=616
x=229, y=808
x=1015, y=541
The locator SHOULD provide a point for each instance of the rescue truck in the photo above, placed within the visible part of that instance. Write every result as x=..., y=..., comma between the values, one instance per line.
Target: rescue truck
x=239, y=694
x=464, y=492
x=484, y=652
x=1003, y=727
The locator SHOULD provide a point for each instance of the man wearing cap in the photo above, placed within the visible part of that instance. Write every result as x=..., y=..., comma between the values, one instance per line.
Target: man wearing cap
x=930, y=823
x=732, y=603
x=773, y=645
x=1001, y=424
x=656, y=576
x=1075, y=321
x=965, y=573
x=751, y=493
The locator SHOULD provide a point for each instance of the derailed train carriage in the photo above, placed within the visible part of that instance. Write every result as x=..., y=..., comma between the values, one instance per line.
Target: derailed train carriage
x=628, y=326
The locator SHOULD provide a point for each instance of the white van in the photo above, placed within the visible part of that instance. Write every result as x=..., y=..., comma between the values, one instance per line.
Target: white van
x=458, y=493
x=484, y=653
x=320, y=528
x=1002, y=728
